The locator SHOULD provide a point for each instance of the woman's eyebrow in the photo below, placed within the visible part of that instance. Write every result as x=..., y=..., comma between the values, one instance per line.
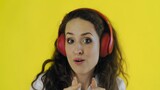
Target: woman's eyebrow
x=69, y=33
x=83, y=34
x=86, y=34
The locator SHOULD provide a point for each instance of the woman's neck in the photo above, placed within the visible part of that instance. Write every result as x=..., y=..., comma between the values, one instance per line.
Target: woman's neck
x=85, y=79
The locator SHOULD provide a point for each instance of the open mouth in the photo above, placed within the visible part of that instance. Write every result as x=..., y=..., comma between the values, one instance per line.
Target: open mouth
x=78, y=61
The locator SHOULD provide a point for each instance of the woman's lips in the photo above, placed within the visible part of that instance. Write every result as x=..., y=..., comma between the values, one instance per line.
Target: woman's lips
x=78, y=61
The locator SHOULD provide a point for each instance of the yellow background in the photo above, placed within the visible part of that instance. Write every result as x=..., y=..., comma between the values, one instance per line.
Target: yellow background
x=28, y=29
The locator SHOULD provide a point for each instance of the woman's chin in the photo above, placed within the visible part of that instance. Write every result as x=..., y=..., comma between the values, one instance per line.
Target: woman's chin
x=80, y=71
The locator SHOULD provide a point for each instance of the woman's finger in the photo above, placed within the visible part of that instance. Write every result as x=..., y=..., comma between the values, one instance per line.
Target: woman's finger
x=74, y=87
x=75, y=84
x=93, y=83
x=74, y=81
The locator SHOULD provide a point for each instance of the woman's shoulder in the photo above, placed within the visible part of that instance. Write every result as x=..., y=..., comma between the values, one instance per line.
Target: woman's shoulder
x=38, y=84
x=121, y=84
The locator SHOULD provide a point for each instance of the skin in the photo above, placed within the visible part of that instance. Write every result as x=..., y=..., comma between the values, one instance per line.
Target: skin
x=82, y=42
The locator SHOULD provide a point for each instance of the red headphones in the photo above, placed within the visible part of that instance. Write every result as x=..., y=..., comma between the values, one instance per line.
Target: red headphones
x=106, y=45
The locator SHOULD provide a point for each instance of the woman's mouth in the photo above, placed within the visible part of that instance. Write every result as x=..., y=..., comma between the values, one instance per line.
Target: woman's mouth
x=78, y=61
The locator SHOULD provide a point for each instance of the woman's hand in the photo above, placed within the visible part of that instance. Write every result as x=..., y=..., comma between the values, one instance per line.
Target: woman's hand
x=75, y=85
x=94, y=85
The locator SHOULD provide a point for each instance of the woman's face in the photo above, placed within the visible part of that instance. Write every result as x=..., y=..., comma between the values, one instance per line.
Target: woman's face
x=82, y=45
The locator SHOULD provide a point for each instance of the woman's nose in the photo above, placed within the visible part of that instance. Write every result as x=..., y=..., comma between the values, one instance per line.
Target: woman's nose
x=78, y=50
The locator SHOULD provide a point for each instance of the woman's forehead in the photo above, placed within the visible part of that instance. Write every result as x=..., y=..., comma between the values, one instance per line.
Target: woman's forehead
x=79, y=26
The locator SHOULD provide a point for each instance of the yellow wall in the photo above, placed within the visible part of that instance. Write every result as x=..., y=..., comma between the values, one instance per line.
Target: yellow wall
x=28, y=29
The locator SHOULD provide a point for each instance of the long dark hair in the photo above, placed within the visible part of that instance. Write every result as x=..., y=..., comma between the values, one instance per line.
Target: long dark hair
x=59, y=75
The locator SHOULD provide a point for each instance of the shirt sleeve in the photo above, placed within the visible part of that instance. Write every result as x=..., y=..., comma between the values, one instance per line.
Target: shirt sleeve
x=121, y=84
x=38, y=84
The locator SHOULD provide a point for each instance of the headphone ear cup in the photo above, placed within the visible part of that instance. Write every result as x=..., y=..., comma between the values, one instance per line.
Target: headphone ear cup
x=104, y=49
x=61, y=44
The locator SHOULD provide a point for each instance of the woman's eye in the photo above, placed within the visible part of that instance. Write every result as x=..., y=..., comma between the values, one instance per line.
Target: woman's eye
x=87, y=40
x=70, y=41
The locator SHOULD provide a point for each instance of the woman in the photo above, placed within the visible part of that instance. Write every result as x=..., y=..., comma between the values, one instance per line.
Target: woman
x=87, y=55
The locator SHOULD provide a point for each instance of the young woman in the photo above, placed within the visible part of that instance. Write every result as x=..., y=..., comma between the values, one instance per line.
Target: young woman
x=87, y=55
